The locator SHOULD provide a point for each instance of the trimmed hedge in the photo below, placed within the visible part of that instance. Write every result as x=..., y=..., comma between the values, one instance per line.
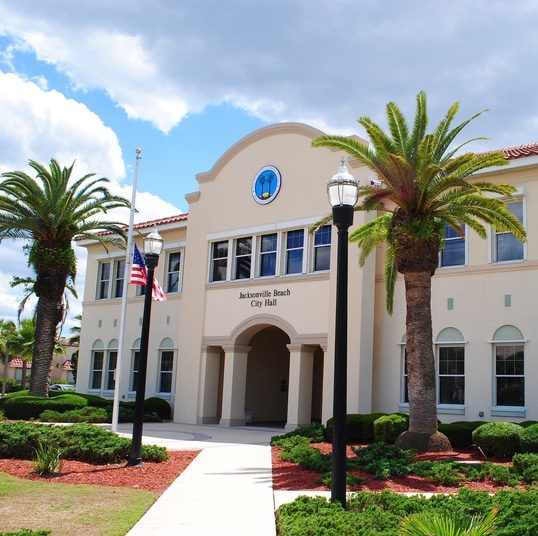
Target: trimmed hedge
x=499, y=439
x=158, y=407
x=83, y=442
x=460, y=433
x=31, y=407
x=359, y=427
x=85, y=414
x=388, y=427
x=529, y=438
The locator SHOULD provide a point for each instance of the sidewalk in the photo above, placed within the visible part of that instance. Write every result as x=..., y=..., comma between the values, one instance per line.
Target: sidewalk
x=226, y=490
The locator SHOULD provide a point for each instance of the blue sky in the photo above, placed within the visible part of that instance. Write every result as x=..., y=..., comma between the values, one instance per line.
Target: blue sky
x=183, y=80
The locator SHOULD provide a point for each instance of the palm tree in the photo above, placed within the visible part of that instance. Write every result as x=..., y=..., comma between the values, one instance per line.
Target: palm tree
x=50, y=210
x=425, y=186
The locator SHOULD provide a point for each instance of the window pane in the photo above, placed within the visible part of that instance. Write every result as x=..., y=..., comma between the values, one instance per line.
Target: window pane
x=112, y=360
x=268, y=264
x=97, y=370
x=120, y=276
x=104, y=279
x=243, y=246
x=172, y=280
x=509, y=248
x=451, y=390
x=323, y=236
x=322, y=258
x=167, y=365
x=295, y=261
x=510, y=391
x=173, y=262
x=295, y=239
x=453, y=252
x=219, y=261
x=167, y=361
x=268, y=243
x=134, y=374
x=219, y=270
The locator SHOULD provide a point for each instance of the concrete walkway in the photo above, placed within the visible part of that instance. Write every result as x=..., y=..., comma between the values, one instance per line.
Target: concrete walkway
x=226, y=490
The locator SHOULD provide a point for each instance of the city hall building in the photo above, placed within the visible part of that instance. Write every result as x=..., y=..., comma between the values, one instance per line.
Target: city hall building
x=246, y=334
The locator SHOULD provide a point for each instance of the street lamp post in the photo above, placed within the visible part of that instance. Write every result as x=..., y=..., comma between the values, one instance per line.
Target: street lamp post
x=343, y=192
x=153, y=245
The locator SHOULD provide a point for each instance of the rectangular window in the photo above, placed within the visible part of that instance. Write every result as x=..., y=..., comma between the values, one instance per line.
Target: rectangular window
x=268, y=247
x=111, y=370
x=243, y=258
x=119, y=278
x=97, y=370
x=134, y=369
x=509, y=375
x=165, y=371
x=451, y=375
x=104, y=281
x=294, y=251
x=322, y=249
x=172, y=278
x=453, y=252
x=507, y=246
x=219, y=261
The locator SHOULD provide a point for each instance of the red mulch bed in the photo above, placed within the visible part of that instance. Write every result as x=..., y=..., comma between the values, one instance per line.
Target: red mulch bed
x=155, y=477
x=291, y=476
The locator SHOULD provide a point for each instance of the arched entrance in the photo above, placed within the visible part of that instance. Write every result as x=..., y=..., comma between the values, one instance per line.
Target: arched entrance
x=266, y=395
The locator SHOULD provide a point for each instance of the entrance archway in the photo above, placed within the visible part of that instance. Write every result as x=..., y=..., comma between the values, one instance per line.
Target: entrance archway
x=267, y=379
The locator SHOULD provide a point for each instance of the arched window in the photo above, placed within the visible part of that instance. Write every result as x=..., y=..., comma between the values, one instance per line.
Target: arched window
x=450, y=350
x=98, y=357
x=112, y=360
x=166, y=365
x=509, y=366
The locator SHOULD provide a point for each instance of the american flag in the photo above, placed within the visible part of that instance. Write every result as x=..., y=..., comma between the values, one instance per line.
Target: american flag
x=139, y=275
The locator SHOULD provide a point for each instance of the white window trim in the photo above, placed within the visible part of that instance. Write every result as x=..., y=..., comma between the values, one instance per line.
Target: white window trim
x=235, y=256
x=508, y=411
x=113, y=261
x=284, y=264
x=455, y=344
x=258, y=260
x=93, y=369
x=166, y=394
x=313, y=248
x=169, y=252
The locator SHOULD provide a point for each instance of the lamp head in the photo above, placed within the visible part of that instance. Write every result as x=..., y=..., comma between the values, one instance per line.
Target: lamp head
x=343, y=188
x=153, y=243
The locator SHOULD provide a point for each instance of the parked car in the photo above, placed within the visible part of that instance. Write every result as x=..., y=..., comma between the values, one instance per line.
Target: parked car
x=62, y=387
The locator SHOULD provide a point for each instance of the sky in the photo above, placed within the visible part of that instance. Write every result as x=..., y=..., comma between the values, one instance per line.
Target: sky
x=91, y=81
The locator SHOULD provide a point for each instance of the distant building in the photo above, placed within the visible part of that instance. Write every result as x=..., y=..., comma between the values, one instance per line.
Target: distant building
x=246, y=334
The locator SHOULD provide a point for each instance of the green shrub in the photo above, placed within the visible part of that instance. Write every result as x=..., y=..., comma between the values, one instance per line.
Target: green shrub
x=13, y=394
x=85, y=414
x=529, y=438
x=31, y=407
x=314, y=431
x=521, y=462
x=388, y=427
x=84, y=442
x=460, y=433
x=298, y=450
x=12, y=385
x=526, y=424
x=158, y=407
x=154, y=453
x=359, y=427
x=385, y=461
x=26, y=532
x=499, y=439
x=96, y=401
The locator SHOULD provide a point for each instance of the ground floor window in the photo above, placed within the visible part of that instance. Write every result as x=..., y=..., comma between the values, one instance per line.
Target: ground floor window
x=165, y=371
x=509, y=375
x=451, y=374
x=97, y=369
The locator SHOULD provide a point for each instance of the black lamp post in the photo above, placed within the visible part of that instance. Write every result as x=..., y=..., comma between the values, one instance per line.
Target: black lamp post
x=343, y=191
x=153, y=245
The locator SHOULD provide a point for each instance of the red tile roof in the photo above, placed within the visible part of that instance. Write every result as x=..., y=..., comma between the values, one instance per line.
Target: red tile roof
x=154, y=223
x=520, y=151
x=17, y=362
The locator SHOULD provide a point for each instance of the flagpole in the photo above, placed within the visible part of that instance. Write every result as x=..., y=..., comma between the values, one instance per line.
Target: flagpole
x=126, y=276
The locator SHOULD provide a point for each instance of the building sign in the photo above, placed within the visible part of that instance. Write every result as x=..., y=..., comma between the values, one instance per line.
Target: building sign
x=266, y=185
x=264, y=298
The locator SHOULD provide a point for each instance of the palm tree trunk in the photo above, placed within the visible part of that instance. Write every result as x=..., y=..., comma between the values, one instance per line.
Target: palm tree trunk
x=45, y=337
x=422, y=434
x=23, y=378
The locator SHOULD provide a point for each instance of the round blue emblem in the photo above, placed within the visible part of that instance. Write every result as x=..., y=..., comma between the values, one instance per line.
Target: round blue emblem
x=266, y=185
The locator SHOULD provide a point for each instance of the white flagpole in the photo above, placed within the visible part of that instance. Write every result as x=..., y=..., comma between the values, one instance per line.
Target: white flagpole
x=126, y=277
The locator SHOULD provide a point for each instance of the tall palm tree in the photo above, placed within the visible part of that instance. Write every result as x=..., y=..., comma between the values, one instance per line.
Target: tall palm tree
x=425, y=185
x=50, y=210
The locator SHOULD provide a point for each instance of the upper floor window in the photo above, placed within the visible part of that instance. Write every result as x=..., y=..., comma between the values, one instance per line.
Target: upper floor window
x=507, y=247
x=322, y=249
x=294, y=251
x=243, y=258
x=453, y=252
x=119, y=278
x=219, y=261
x=104, y=281
x=173, y=272
x=268, y=249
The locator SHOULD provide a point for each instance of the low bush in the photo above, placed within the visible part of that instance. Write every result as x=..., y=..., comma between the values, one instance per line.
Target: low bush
x=93, y=400
x=83, y=442
x=460, y=433
x=359, y=427
x=498, y=439
x=380, y=514
x=31, y=407
x=314, y=431
x=47, y=459
x=445, y=473
x=85, y=414
x=13, y=394
x=158, y=407
x=526, y=424
x=385, y=461
x=26, y=532
x=522, y=461
x=529, y=438
x=388, y=427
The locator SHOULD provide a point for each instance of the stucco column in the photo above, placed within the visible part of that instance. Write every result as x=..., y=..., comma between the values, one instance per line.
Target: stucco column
x=234, y=386
x=300, y=386
x=209, y=385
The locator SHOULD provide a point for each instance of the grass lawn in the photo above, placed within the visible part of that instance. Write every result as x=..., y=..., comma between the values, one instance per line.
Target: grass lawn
x=69, y=509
